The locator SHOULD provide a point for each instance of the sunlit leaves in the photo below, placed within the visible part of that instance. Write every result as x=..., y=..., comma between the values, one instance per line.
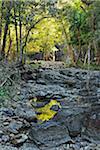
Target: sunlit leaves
x=43, y=38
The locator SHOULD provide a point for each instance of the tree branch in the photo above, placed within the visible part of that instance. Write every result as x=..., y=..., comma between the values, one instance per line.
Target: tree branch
x=88, y=3
x=31, y=29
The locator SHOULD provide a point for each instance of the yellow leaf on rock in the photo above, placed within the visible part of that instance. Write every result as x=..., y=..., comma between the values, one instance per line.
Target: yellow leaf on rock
x=45, y=112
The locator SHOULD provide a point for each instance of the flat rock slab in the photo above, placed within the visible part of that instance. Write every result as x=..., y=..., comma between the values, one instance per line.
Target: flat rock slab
x=51, y=136
x=25, y=112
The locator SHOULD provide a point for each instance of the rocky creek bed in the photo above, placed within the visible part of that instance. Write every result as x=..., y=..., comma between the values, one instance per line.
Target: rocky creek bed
x=76, y=126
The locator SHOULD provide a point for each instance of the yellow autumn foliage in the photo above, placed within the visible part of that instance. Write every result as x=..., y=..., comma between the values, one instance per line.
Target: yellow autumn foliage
x=45, y=112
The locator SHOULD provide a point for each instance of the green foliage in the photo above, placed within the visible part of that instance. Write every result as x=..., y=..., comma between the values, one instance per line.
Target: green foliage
x=42, y=38
x=4, y=95
x=45, y=23
x=92, y=66
x=2, y=92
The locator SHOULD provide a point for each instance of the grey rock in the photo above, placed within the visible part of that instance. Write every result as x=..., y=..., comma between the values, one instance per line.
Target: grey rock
x=76, y=147
x=92, y=123
x=49, y=90
x=67, y=113
x=53, y=135
x=14, y=126
x=26, y=124
x=29, y=146
x=41, y=82
x=40, y=104
x=55, y=108
x=80, y=112
x=8, y=112
x=19, y=139
x=92, y=147
x=0, y=140
x=70, y=83
x=75, y=125
x=84, y=143
x=5, y=138
x=93, y=134
x=1, y=133
x=26, y=113
x=31, y=81
x=5, y=123
x=5, y=147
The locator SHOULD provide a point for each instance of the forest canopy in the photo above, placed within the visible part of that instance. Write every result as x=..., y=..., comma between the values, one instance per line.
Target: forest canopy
x=71, y=26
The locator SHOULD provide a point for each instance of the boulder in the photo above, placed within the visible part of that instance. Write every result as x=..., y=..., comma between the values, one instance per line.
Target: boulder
x=75, y=125
x=92, y=123
x=25, y=112
x=14, y=126
x=50, y=136
x=19, y=139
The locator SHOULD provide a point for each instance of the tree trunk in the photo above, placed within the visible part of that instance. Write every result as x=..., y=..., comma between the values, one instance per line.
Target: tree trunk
x=20, y=36
x=6, y=28
x=98, y=57
x=1, y=14
x=86, y=55
x=4, y=40
x=70, y=52
x=9, y=47
x=89, y=55
x=16, y=31
x=79, y=45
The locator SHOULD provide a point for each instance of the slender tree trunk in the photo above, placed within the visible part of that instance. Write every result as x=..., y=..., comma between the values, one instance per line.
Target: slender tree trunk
x=93, y=26
x=69, y=47
x=16, y=30
x=89, y=55
x=86, y=55
x=9, y=47
x=79, y=45
x=1, y=14
x=96, y=50
x=4, y=40
x=88, y=74
x=6, y=28
x=20, y=36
